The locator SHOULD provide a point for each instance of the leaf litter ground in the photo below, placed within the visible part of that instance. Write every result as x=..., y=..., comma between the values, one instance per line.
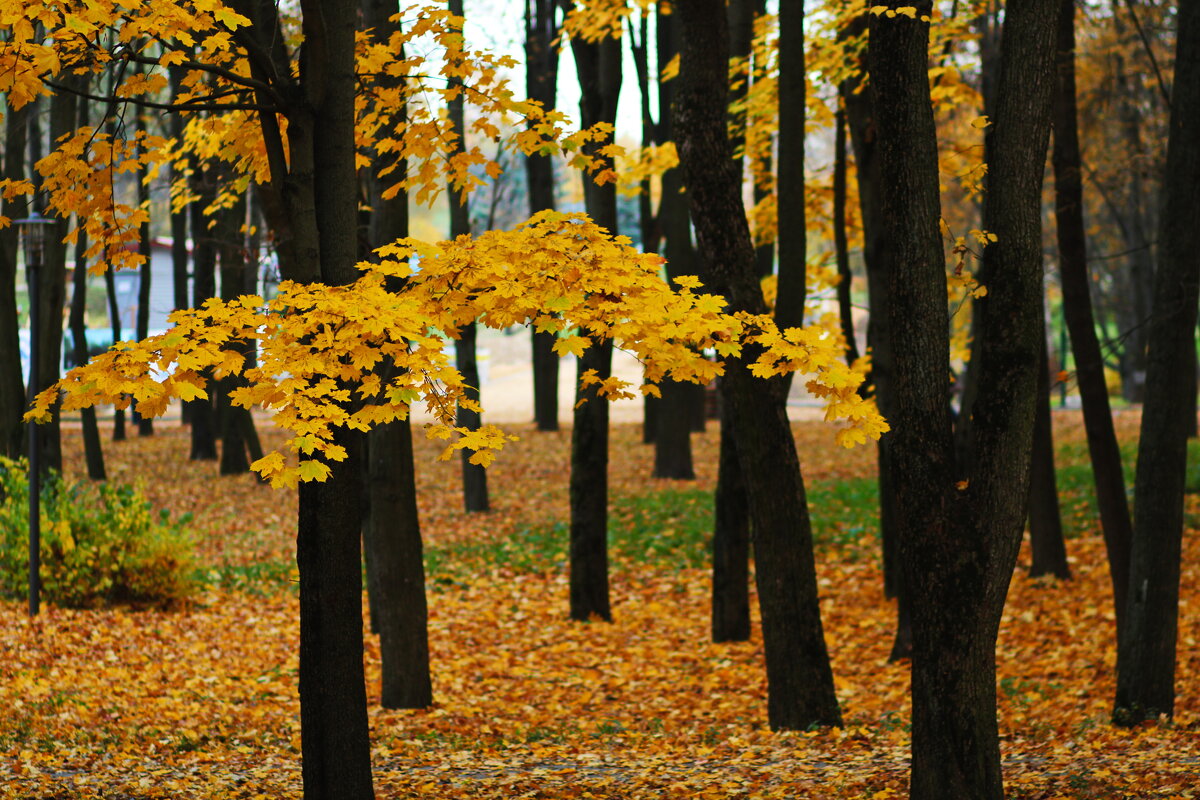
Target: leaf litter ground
x=200, y=702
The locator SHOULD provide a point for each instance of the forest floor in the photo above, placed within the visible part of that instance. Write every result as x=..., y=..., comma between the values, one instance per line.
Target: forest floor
x=200, y=701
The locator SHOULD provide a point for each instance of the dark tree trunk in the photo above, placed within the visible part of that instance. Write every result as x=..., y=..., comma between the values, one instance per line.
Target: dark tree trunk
x=474, y=476
x=114, y=316
x=392, y=526
x=395, y=560
x=1138, y=278
x=541, y=76
x=179, y=229
x=52, y=291
x=792, y=237
x=799, y=678
x=1049, y=551
x=233, y=419
x=204, y=286
x=145, y=425
x=1146, y=652
x=589, y=493
x=731, y=506
x=962, y=519
x=93, y=452
x=12, y=383
x=672, y=413
x=1103, y=449
x=731, y=545
x=599, y=67
x=764, y=255
x=841, y=248
x=860, y=119
x=334, y=729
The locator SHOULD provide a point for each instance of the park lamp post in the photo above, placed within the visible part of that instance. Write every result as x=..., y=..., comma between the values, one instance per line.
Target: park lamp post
x=33, y=236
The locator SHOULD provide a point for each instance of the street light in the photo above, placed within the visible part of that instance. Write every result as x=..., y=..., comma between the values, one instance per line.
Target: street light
x=33, y=236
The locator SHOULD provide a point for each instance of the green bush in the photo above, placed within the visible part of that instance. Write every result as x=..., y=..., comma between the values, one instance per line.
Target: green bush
x=100, y=544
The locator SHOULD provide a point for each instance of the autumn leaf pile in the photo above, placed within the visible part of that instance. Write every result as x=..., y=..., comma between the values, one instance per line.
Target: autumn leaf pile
x=200, y=702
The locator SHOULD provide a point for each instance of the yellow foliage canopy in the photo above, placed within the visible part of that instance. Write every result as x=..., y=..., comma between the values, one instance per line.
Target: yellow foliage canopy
x=357, y=356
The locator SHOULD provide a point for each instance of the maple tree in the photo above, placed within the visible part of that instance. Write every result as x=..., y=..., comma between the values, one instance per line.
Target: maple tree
x=323, y=336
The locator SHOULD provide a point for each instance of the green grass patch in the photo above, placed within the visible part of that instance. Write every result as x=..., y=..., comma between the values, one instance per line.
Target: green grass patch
x=259, y=578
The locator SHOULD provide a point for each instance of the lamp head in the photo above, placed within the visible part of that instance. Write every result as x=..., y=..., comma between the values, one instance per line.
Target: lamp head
x=34, y=230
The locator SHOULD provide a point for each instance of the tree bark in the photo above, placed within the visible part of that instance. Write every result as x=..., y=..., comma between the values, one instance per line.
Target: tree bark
x=233, y=421
x=93, y=452
x=145, y=425
x=598, y=65
x=731, y=545
x=474, y=476
x=1146, y=651
x=1105, y=453
x=877, y=257
x=792, y=236
x=841, y=247
x=391, y=526
x=799, y=678
x=672, y=413
x=204, y=286
x=961, y=515
x=1048, y=550
x=12, y=382
x=541, y=76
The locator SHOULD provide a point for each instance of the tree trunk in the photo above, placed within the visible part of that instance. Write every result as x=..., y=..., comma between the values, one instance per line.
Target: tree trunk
x=961, y=519
x=93, y=453
x=792, y=236
x=799, y=678
x=599, y=67
x=589, y=493
x=392, y=534
x=12, y=383
x=392, y=526
x=731, y=545
x=145, y=425
x=860, y=119
x=204, y=286
x=474, y=476
x=1049, y=551
x=1146, y=652
x=1103, y=449
x=841, y=248
x=114, y=316
x=672, y=413
x=541, y=76
x=233, y=281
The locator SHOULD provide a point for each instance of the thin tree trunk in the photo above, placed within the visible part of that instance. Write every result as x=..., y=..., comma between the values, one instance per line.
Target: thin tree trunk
x=1103, y=449
x=731, y=545
x=93, y=452
x=230, y=418
x=474, y=476
x=145, y=425
x=598, y=65
x=799, y=678
x=841, y=248
x=114, y=316
x=792, y=237
x=541, y=76
x=391, y=525
x=1049, y=551
x=1146, y=652
x=204, y=286
x=672, y=413
x=12, y=382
